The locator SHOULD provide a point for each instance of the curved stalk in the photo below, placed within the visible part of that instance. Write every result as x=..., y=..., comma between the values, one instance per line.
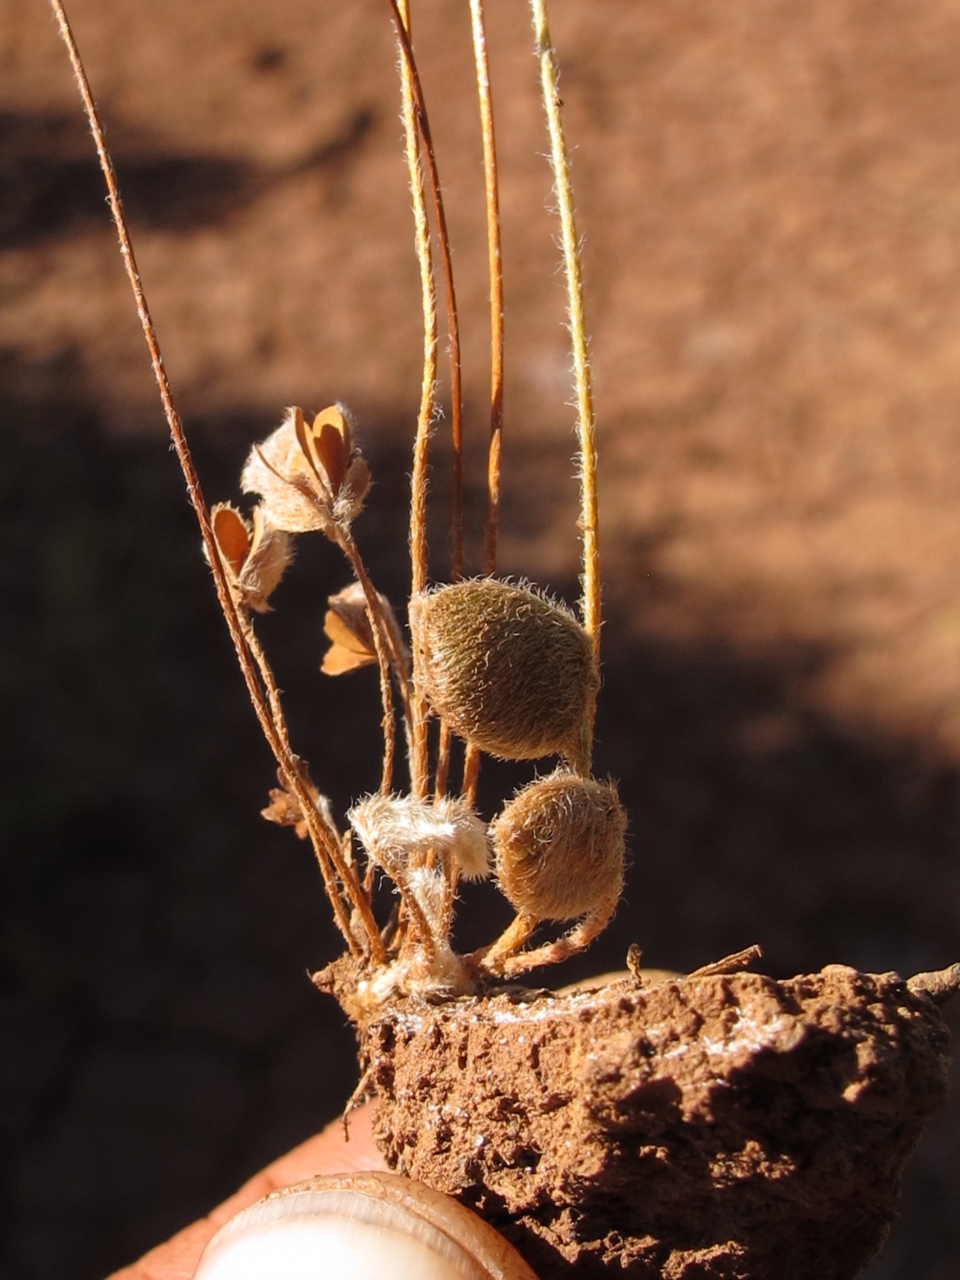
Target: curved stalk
x=586, y=419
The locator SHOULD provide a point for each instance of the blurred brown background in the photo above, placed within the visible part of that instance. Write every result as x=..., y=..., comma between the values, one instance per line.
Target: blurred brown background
x=770, y=199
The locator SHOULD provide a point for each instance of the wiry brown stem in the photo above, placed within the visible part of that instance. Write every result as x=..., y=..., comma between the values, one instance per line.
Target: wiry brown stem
x=269, y=683
x=495, y=271
x=442, y=773
x=419, y=764
x=471, y=773
x=387, y=657
x=325, y=842
x=586, y=419
x=401, y=17
x=490, y=959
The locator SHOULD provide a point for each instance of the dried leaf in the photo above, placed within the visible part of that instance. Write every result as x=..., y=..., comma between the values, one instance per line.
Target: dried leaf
x=331, y=442
x=254, y=555
x=285, y=811
x=270, y=552
x=285, y=478
x=309, y=478
x=348, y=627
x=347, y=650
x=232, y=534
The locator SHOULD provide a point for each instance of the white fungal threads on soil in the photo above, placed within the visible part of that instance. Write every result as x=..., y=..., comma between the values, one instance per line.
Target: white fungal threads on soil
x=356, y=1227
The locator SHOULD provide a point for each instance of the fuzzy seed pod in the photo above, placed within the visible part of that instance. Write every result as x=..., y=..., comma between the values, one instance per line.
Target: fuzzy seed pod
x=508, y=669
x=559, y=847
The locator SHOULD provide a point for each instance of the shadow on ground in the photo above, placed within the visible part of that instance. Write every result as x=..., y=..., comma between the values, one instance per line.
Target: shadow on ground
x=51, y=184
x=160, y=1040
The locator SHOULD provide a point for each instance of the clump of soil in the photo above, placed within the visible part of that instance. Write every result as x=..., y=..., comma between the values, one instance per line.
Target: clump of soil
x=717, y=1127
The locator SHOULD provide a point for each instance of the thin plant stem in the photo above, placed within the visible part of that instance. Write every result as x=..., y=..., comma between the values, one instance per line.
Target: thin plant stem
x=471, y=762
x=495, y=271
x=489, y=958
x=386, y=652
x=471, y=773
x=382, y=632
x=586, y=419
x=442, y=772
x=411, y=79
x=268, y=680
x=419, y=764
x=325, y=842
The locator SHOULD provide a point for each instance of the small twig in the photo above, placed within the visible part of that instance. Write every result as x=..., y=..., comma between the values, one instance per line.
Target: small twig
x=419, y=762
x=324, y=842
x=359, y=1095
x=586, y=419
x=252, y=641
x=495, y=271
x=729, y=964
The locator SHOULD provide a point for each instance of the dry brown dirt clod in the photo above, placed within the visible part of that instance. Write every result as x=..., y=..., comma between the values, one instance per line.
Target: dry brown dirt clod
x=721, y=1127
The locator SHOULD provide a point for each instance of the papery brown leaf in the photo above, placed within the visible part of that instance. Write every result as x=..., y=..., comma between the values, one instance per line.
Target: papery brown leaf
x=338, y=660
x=232, y=534
x=270, y=553
x=331, y=445
x=285, y=476
x=346, y=624
x=284, y=809
x=348, y=650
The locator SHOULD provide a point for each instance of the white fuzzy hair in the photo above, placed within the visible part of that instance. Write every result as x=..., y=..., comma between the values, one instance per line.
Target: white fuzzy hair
x=394, y=827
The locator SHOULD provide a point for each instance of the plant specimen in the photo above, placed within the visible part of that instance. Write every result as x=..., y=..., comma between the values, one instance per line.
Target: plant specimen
x=555, y=1115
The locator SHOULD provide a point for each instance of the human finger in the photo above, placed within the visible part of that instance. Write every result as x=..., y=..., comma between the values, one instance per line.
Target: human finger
x=326, y=1152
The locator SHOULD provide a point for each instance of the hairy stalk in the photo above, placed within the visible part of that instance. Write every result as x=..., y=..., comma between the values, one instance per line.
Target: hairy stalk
x=324, y=840
x=586, y=418
x=387, y=656
x=269, y=683
x=471, y=773
x=442, y=772
x=411, y=76
x=419, y=764
x=471, y=763
x=490, y=959
x=495, y=271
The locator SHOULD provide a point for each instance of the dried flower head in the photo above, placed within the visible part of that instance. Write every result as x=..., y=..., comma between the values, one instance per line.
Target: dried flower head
x=255, y=553
x=559, y=847
x=508, y=669
x=347, y=627
x=309, y=477
x=397, y=830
